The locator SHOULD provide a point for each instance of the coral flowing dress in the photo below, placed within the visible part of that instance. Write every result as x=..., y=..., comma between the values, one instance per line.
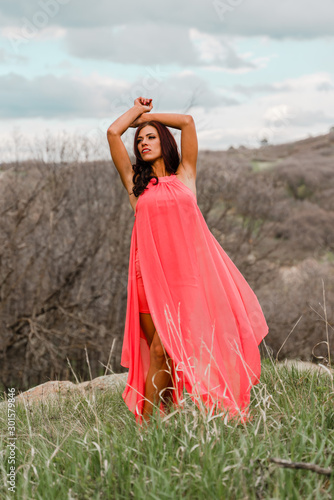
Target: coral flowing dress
x=208, y=318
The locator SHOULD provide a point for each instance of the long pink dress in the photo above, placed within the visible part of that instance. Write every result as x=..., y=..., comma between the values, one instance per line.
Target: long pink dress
x=208, y=318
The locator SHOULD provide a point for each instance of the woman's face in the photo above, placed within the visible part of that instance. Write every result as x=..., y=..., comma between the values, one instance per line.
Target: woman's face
x=148, y=143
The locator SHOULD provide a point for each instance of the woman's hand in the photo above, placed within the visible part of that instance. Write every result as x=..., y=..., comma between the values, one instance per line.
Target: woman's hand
x=145, y=105
x=132, y=117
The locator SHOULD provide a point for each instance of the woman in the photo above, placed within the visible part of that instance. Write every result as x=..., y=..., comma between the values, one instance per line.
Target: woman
x=192, y=320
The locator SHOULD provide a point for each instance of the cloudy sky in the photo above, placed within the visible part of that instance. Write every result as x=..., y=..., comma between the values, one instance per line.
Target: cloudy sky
x=244, y=69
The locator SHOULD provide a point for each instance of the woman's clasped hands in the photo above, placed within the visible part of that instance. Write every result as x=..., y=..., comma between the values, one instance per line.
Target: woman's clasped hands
x=144, y=106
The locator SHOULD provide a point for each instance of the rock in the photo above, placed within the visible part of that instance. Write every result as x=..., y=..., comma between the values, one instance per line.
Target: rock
x=52, y=389
x=307, y=366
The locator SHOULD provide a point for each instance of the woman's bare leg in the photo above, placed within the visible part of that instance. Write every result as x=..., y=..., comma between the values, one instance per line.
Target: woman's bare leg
x=158, y=378
x=159, y=373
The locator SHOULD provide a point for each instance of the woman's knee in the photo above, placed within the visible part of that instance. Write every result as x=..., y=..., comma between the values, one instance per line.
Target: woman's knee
x=157, y=351
x=147, y=326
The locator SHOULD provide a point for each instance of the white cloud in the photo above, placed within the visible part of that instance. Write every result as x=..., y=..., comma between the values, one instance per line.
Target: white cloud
x=325, y=86
x=7, y=56
x=216, y=50
x=29, y=32
x=261, y=88
x=49, y=96
x=282, y=116
x=313, y=81
x=163, y=44
x=297, y=19
x=308, y=81
x=309, y=117
x=72, y=97
x=144, y=38
x=293, y=111
x=166, y=45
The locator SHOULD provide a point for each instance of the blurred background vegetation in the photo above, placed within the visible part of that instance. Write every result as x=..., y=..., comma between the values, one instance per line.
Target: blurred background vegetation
x=65, y=229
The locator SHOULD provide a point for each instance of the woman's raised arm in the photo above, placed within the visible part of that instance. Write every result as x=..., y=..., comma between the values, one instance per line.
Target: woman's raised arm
x=118, y=151
x=174, y=120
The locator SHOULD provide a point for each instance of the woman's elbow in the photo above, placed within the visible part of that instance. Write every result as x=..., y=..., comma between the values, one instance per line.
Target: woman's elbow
x=189, y=119
x=111, y=132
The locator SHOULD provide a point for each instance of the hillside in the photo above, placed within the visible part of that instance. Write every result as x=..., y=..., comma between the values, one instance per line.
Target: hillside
x=64, y=249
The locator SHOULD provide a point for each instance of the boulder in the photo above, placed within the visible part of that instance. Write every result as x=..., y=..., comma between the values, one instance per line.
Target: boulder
x=53, y=389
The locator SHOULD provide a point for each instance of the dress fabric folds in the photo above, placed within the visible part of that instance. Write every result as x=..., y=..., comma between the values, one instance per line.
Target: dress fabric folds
x=207, y=316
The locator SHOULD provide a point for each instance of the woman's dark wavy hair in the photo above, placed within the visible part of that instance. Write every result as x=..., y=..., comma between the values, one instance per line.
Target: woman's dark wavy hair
x=143, y=170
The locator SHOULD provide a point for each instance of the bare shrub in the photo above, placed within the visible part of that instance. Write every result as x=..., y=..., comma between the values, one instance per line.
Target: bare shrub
x=294, y=301
x=309, y=228
x=306, y=175
x=63, y=271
